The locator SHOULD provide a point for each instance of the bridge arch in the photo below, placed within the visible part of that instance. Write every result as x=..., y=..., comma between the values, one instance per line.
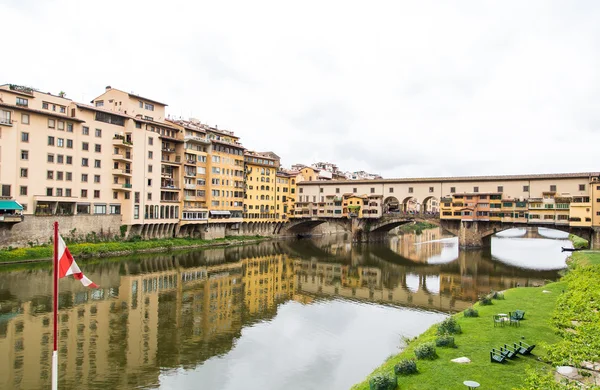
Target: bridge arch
x=410, y=204
x=431, y=204
x=391, y=204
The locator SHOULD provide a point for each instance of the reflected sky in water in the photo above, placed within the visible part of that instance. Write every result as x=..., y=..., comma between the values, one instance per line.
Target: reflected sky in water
x=302, y=314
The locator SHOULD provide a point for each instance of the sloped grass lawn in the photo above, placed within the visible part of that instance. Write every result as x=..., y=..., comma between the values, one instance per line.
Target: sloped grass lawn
x=586, y=258
x=478, y=337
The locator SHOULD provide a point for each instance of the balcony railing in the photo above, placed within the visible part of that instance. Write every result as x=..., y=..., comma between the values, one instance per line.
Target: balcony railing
x=190, y=186
x=168, y=150
x=119, y=140
x=5, y=121
x=121, y=172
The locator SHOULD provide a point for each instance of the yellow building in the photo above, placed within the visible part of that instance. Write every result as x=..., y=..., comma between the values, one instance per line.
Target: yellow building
x=260, y=200
x=354, y=205
x=580, y=211
x=285, y=195
x=225, y=195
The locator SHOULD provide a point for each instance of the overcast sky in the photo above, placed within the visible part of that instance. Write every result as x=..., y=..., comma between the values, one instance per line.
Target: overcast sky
x=404, y=89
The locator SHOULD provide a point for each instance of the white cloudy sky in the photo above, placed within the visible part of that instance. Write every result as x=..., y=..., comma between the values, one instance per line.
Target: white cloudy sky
x=400, y=88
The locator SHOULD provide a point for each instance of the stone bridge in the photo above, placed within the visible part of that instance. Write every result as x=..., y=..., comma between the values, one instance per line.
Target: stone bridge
x=363, y=229
x=471, y=234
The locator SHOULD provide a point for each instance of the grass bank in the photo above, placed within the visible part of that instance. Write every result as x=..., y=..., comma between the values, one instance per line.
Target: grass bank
x=578, y=242
x=564, y=324
x=118, y=248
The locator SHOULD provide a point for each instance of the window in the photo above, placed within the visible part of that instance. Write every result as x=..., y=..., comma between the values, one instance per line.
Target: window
x=60, y=125
x=60, y=142
x=60, y=159
x=70, y=160
x=44, y=105
x=372, y=190
x=138, y=125
x=150, y=141
x=98, y=133
x=85, y=146
x=96, y=178
x=553, y=188
x=70, y=144
x=430, y=189
x=69, y=176
x=24, y=155
x=50, y=141
x=149, y=195
x=137, y=197
x=115, y=209
x=141, y=104
x=97, y=164
x=67, y=192
x=24, y=172
x=49, y=191
x=84, y=162
x=99, y=208
x=525, y=188
x=69, y=127
x=320, y=190
x=149, y=182
x=500, y=188
x=115, y=195
x=136, y=212
x=84, y=177
x=475, y=189
x=98, y=148
x=23, y=190
x=84, y=193
x=452, y=190
x=149, y=106
x=50, y=158
x=150, y=155
x=337, y=190
x=49, y=175
x=582, y=187
x=149, y=168
x=24, y=137
x=22, y=102
x=59, y=175
x=410, y=190
x=99, y=103
x=96, y=193
x=25, y=119
x=85, y=130
x=5, y=117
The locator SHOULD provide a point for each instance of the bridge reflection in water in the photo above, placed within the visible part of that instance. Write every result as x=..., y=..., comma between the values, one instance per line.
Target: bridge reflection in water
x=178, y=310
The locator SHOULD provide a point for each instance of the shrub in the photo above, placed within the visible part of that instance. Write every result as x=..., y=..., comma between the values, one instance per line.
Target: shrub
x=485, y=301
x=445, y=342
x=382, y=382
x=449, y=326
x=426, y=351
x=497, y=295
x=470, y=312
x=406, y=367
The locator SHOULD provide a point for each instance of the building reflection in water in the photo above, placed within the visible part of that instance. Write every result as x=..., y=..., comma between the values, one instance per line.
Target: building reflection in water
x=178, y=310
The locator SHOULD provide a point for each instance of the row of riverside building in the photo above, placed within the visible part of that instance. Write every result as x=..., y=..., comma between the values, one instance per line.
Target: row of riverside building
x=122, y=155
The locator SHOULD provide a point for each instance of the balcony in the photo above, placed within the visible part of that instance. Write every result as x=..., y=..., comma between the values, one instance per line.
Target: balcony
x=122, y=157
x=122, y=172
x=167, y=149
x=167, y=160
x=5, y=121
x=170, y=200
x=189, y=198
x=122, y=142
x=196, y=139
x=169, y=186
x=122, y=186
x=191, y=162
x=189, y=186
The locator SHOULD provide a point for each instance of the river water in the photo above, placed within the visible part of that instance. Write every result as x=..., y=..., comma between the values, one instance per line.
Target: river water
x=306, y=314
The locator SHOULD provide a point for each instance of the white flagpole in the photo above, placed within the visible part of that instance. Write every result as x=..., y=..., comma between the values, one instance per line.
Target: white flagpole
x=55, y=310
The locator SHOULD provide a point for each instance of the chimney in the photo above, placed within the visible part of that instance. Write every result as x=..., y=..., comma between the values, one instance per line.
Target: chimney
x=108, y=87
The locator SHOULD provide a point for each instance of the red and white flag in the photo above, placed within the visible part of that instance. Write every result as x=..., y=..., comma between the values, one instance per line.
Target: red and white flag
x=67, y=265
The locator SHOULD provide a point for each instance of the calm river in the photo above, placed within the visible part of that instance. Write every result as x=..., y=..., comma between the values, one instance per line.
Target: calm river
x=307, y=314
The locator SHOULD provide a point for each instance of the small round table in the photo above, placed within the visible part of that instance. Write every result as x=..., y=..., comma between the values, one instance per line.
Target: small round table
x=471, y=384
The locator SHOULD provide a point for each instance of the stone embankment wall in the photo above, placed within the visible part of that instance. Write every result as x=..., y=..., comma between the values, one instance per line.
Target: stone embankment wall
x=38, y=230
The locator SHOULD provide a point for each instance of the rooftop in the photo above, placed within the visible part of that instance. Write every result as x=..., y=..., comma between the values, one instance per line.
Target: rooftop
x=450, y=179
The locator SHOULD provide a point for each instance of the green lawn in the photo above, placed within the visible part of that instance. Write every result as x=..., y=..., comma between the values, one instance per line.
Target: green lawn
x=586, y=257
x=578, y=242
x=478, y=337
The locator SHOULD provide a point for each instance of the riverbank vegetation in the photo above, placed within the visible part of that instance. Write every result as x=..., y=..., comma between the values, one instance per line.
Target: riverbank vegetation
x=101, y=249
x=578, y=242
x=416, y=227
x=562, y=319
